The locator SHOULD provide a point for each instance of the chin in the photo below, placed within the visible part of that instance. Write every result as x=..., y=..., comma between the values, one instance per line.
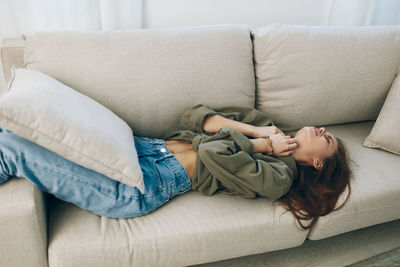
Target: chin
x=305, y=136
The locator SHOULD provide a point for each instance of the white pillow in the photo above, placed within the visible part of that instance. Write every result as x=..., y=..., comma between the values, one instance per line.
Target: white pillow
x=39, y=108
x=386, y=131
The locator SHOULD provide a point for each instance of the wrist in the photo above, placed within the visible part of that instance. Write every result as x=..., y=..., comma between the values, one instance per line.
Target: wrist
x=253, y=131
x=259, y=145
x=269, y=142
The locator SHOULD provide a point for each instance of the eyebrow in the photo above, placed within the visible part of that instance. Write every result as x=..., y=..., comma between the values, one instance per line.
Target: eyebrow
x=333, y=140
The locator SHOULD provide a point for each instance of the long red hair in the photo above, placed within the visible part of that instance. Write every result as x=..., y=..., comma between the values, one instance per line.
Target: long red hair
x=315, y=193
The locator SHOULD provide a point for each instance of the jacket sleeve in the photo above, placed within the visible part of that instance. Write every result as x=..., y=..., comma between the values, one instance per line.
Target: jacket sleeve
x=230, y=161
x=193, y=118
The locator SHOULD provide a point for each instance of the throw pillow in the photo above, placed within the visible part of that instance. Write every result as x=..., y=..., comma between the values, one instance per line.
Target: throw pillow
x=41, y=109
x=386, y=131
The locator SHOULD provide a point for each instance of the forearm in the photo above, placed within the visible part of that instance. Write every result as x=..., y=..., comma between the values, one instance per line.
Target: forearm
x=214, y=123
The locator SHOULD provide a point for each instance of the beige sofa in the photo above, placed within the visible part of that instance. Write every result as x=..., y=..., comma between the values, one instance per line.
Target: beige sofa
x=301, y=75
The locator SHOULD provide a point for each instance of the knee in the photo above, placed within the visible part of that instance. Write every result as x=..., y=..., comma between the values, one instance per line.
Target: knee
x=3, y=178
x=4, y=130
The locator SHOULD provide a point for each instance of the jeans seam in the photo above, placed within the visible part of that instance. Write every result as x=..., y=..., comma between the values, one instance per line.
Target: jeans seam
x=74, y=175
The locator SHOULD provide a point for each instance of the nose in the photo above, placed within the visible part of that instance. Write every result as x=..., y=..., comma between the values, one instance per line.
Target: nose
x=322, y=130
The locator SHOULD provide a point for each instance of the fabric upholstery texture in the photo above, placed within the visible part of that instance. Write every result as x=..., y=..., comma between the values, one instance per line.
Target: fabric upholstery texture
x=375, y=196
x=190, y=229
x=298, y=73
x=23, y=220
x=316, y=75
x=149, y=77
x=12, y=53
x=386, y=131
x=45, y=111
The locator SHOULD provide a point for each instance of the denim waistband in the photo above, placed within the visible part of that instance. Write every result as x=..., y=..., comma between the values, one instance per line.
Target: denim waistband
x=157, y=147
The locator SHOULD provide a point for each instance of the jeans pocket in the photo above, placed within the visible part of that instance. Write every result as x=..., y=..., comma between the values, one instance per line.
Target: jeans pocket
x=162, y=170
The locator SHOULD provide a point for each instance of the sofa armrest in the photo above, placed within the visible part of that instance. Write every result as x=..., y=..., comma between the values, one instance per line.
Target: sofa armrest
x=23, y=224
x=12, y=53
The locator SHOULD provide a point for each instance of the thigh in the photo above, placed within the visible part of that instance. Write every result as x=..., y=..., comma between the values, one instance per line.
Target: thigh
x=86, y=188
x=65, y=179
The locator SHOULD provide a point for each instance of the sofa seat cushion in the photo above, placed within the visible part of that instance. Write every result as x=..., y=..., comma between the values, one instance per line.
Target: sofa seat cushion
x=23, y=220
x=190, y=229
x=375, y=194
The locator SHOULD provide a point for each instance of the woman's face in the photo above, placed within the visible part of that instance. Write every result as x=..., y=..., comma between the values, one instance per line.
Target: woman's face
x=314, y=145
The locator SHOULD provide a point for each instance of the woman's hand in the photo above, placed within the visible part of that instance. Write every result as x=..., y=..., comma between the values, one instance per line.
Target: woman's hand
x=264, y=131
x=283, y=145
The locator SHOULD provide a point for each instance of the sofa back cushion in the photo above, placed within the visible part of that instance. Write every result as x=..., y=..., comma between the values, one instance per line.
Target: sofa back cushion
x=149, y=77
x=315, y=75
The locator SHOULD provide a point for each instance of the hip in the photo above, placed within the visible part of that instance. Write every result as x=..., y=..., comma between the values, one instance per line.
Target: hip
x=161, y=170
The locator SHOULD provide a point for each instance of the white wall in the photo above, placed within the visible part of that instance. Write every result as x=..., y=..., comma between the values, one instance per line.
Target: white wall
x=255, y=13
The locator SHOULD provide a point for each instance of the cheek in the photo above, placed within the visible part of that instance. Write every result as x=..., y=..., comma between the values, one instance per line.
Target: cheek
x=313, y=144
x=304, y=143
x=321, y=147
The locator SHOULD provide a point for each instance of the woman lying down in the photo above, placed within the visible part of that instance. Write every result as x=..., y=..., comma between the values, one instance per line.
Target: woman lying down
x=235, y=150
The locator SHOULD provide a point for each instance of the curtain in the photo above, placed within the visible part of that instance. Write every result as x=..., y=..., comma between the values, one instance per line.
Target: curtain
x=27, y=16
x=363, y=12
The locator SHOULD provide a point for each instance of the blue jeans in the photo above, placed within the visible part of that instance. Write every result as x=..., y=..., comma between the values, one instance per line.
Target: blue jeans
x=164, y=177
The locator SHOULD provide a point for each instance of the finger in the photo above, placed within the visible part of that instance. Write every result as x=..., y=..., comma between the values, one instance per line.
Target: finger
x=287, y=153
x=292, y=140
x=292, y=146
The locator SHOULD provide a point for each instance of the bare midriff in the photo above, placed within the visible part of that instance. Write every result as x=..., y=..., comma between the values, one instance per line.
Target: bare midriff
x=184, y=153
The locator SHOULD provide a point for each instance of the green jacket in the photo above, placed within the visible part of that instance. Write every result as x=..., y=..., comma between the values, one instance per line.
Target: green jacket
x=226, y=161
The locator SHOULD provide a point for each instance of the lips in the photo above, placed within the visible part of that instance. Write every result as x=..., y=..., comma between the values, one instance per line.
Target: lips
x=316, y=131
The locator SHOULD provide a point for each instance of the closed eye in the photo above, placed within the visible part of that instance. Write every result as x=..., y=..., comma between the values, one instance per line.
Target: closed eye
x=328, y=139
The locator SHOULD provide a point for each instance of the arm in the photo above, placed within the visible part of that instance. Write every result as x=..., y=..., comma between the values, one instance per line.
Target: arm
x=214, y=123
x=281, y=145
x=231, y=163
x=204, y=119
x=249, y=121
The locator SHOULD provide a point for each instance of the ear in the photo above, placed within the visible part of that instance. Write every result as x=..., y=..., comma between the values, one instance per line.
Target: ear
x=318, y=164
